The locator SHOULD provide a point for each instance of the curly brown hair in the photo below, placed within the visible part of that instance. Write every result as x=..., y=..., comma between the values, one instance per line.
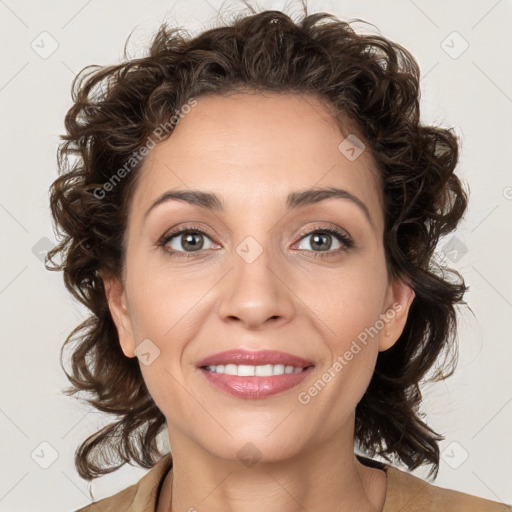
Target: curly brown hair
x=366, y=80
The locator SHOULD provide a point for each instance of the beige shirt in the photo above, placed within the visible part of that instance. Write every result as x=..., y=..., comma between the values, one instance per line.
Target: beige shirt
x=405, y=493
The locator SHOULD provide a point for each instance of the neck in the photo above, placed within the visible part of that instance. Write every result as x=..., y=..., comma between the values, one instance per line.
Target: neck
x=327, y=477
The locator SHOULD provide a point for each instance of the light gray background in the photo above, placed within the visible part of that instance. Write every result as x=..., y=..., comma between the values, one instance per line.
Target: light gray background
x=470, y=90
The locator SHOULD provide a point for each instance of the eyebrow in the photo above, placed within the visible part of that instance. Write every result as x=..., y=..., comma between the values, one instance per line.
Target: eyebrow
x=294, y=200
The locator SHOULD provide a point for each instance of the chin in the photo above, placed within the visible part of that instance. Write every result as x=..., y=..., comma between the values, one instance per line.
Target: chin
x=251, y=446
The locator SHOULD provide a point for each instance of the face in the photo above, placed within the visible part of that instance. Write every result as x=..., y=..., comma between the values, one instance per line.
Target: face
x=264, y=266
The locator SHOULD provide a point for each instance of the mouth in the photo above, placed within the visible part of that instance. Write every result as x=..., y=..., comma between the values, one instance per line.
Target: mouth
x=246, y=370
x=244, y=357
x=246, y=374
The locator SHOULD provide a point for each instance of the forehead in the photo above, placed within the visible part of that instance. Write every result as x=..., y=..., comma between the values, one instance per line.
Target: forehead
x=256, y=148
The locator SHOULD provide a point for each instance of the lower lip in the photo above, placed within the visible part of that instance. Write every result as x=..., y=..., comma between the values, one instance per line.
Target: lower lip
x=255, y=387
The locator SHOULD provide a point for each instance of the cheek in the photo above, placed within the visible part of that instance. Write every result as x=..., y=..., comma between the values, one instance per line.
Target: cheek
x=164, y=304
x=165, y=311
x=351, y=299
x=349, y=308
x=350, y=333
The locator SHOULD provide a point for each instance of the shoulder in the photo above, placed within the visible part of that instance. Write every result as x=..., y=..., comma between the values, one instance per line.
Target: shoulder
x=139, y=497
x=409, y=493
x=120, y=501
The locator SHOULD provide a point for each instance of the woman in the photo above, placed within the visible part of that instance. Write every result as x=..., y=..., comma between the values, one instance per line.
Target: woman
x=251, y=217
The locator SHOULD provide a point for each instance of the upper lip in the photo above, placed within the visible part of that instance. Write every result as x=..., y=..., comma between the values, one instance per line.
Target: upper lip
x=260, y=357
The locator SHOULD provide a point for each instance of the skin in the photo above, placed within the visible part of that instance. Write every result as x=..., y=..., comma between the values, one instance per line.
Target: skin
x=253, y=150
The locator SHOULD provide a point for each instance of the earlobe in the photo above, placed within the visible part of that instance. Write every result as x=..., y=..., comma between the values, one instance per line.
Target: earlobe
x=117, y=303
x=400, y=298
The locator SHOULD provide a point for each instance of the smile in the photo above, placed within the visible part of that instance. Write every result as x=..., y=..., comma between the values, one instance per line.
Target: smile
x=246, y=370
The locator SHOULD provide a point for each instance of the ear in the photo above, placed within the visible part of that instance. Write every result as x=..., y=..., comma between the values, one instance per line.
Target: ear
x=398, y=301
x=117, y=303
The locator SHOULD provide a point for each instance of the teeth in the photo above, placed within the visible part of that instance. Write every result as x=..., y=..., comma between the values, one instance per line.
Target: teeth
x=246, y=370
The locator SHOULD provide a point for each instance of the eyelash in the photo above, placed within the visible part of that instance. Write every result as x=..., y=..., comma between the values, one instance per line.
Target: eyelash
x=339, y=235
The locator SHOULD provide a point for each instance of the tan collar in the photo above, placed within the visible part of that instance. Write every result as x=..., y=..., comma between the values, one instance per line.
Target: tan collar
x=405, y=492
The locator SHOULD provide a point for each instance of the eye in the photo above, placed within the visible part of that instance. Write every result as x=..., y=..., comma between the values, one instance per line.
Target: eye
x=325, y=240
x=322, y=241
x=185, y=241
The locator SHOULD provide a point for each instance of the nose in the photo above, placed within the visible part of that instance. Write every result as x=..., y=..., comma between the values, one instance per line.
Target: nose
x=255, y=294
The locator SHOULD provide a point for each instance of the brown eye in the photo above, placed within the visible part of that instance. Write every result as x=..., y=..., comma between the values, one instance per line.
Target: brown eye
x=327, y=240
x=321, y=242
x=186, y=241
x=189, y=241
